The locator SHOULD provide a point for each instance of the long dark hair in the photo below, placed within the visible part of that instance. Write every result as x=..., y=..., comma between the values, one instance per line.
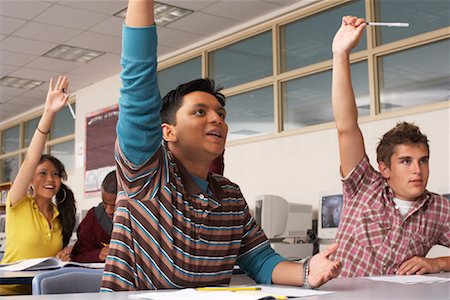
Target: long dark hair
x=65, y=200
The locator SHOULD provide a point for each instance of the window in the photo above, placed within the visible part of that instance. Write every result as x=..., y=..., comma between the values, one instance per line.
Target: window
x=414, y=76
x=10, y=139
x=59, y=144
x=242, y=62
x=306, y=102
x=287, y=64
x=308, y=41
x=170, y=78
x=9, y=167
x=65, y=153
x=250, y=114
x=63, y=124
x=30, y=128
x=422, y=16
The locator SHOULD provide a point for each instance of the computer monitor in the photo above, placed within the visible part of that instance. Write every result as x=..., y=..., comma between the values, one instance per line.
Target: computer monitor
x=282, y=219
x=330, y=209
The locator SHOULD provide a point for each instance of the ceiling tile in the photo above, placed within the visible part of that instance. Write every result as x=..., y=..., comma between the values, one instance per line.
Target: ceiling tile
x=103, y=6
x=22, y=9
x=175, y=38
x=283, y=2
x=9, y=25
x=6, y=69
x=70, y=17
x=37, y=94
x=10, y=110
x=107, y=59
x=90, y=70
x=247, y=9
x=199, y=23
x=10, y=91
x=28, y=46
x=15, y=59
x=95, y=41
x=46, y=32
x=51, y=64
x=22, y=100
x=34, y=74
x=192, y=5
x=111, y=26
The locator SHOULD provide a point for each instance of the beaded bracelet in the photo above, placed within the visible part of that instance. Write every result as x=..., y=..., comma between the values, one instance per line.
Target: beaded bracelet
x=306, y=273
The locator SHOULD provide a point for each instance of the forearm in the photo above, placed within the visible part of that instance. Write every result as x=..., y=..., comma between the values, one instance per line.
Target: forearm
x=139, y=13
x=31, y=161
x=288, y=273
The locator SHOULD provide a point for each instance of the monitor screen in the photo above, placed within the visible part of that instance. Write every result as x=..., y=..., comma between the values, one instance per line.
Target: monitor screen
x=330, y=210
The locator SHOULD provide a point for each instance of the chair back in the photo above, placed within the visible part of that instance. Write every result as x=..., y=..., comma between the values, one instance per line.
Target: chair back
x=67, y=280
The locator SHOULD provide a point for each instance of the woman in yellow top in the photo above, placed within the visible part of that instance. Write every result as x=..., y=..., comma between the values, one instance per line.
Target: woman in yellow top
x=35, y=226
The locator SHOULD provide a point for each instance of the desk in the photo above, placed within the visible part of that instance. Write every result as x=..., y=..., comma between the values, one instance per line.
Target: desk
x=22, y=277
x=345, y=288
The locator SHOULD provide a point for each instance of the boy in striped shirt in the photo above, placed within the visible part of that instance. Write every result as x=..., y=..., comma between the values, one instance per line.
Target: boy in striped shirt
x=176, y=224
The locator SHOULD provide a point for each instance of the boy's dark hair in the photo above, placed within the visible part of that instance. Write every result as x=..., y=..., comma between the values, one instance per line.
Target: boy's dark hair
x=173, y=100
x=402, y=133
x=109, y=184
x=65, y=200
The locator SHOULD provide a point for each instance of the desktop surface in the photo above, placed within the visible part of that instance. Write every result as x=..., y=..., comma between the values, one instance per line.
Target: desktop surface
x=344, y=288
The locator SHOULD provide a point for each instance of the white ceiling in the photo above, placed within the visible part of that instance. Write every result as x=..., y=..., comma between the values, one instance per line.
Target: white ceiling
x=28, y=29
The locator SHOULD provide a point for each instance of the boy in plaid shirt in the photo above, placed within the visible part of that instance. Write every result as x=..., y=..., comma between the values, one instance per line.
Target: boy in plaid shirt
x=390, y=221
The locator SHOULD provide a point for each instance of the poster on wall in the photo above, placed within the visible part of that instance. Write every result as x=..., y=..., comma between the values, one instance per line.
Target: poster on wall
x=100, y=138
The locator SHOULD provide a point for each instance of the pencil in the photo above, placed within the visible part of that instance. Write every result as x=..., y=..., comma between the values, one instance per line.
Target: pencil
x=388, y=24
x=70, y=107
x=231, y=289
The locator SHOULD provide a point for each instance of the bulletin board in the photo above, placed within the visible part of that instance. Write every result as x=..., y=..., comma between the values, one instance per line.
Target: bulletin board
x=100, y=139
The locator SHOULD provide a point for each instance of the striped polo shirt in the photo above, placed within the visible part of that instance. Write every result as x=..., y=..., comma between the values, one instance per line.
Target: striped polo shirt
x=167, y=233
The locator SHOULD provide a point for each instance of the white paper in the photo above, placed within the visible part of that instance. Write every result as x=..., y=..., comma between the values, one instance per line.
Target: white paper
x=291, y=291
x=187, y=294
x=408, y=279
x=45, y=263
x=192, y=294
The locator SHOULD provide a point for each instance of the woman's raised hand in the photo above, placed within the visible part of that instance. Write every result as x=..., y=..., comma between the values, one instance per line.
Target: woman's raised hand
x=57, y=95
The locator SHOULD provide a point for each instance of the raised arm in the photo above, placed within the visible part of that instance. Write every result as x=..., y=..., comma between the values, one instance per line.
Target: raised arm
x=55, y=101
x=139, y=13
x=351, y=142
x=139, y=125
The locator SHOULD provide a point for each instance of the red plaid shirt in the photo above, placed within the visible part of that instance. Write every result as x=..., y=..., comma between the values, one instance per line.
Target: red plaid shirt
x=374, y=239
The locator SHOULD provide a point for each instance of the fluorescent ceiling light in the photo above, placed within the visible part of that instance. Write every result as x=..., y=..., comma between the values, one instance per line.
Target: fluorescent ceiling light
x=164, y=13
x=20, y=83
x=71, y=53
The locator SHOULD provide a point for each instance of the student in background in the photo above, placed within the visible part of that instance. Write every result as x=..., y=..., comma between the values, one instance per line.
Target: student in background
x=35, y=226
x=95, y=230
x=177, y=225
x=390, y=221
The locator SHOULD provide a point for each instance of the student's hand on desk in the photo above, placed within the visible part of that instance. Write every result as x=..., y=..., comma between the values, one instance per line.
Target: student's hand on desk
x=418, y=265
x=103, y=253
x=64, y=254
x=321, y=269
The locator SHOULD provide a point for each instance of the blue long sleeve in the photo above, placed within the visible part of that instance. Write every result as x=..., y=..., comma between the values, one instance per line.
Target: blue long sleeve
x=259, y=264
x=139, y=126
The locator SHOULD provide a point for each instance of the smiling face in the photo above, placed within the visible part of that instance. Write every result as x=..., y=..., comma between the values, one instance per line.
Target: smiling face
x=200, y=131
x=46, y=181
x=408, y=172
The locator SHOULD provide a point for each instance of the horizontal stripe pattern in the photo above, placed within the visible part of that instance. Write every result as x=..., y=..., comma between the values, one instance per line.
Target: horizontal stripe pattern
x=166, y=236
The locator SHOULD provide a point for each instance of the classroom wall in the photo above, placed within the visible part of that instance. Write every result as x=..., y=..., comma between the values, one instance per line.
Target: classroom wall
x=297, y=167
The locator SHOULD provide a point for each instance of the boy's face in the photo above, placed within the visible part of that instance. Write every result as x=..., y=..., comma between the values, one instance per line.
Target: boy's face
x=409, y=170
x=200, y=128
x=109, y=202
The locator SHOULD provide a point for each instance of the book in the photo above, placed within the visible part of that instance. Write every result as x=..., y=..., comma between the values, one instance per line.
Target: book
x=46, y=263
